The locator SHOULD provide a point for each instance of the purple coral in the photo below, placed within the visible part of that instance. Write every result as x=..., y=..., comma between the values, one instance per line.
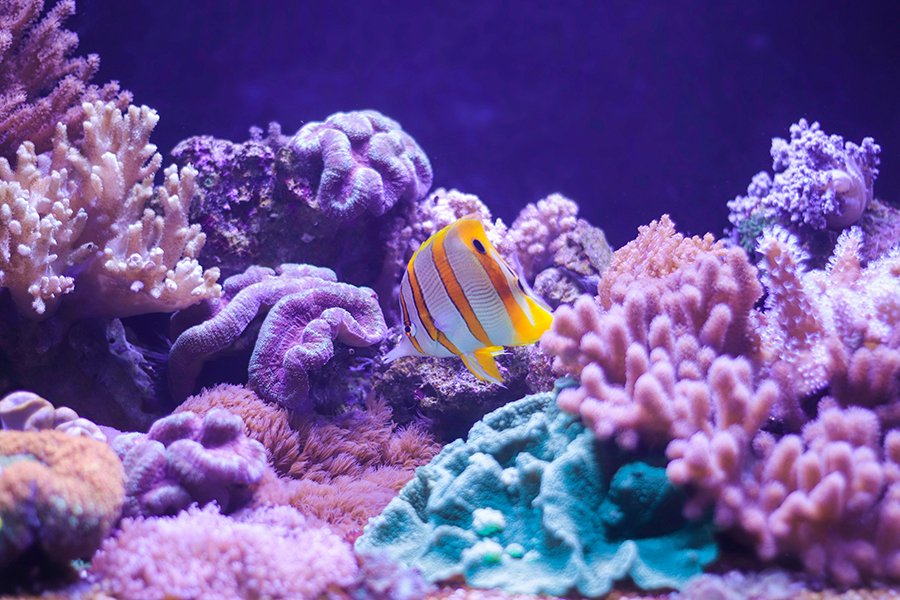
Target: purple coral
x=821, y=184
x=355, y=162
x=308, y=311
x=185, y=459
x=267, y=553
x=236, y=184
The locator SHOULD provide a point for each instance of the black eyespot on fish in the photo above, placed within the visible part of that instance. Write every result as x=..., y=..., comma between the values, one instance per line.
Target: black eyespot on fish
x=479, y=246
x=519, y=283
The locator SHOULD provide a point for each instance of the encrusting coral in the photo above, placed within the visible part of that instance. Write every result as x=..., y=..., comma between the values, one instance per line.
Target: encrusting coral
x=41, y=84
x=739, y=395
x=185, y=459
x=529, y=503
x=77, y=222
x=306, y=312
x=201, y=554
x=60, y=495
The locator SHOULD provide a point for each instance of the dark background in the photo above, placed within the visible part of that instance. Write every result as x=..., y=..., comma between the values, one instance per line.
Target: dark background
x=631, y=108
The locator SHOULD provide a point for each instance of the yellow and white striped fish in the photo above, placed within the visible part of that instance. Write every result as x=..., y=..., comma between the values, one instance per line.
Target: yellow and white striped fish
x=459, y=298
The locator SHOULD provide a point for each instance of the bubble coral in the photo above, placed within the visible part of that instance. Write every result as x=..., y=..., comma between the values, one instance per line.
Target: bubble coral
x=185, y=459
x=201, y=554
x=59, y=495
x=353, y=163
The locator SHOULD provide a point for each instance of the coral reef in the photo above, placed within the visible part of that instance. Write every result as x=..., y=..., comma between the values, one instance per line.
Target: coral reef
x=42, y=83
x=306, y=311
x=529, y=504
x=450, y=397
x=234, y=197
x=821, y=185
x=738, y=394
x=350, y=466
x=26, y=411
x=60, y=495
x=77, y=224
x=184, y=459
x=268, y=553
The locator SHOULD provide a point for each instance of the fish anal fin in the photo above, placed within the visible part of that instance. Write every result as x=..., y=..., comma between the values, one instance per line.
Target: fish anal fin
x=482, y=365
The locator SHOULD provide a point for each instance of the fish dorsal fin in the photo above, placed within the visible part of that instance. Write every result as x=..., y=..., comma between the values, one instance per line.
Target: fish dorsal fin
x=482, y=365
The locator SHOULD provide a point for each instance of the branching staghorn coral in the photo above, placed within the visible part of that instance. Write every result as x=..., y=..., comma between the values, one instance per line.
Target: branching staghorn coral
x=41, y=84
x=78, y=220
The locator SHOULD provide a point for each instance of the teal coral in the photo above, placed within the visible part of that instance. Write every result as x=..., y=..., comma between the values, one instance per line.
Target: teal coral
x=530, y=505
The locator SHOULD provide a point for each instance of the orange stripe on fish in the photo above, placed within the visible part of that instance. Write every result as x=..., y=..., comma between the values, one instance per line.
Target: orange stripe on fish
x=472, y=232
x=407, y=324
x=454, y=290
x=422, y=309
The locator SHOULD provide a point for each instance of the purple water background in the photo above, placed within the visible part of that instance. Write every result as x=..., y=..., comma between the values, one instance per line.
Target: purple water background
x=631, y=108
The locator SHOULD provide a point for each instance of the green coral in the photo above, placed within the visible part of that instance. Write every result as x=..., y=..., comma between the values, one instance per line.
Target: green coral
x=531, y=504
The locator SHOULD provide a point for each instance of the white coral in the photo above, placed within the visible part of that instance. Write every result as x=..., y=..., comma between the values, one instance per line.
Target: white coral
x=78, y=220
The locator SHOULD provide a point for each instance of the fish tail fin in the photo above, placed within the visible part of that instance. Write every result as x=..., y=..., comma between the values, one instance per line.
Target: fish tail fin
x=482, y=365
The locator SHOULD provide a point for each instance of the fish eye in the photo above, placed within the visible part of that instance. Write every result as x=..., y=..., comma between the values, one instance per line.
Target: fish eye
x=407, y=330
x=479, y=246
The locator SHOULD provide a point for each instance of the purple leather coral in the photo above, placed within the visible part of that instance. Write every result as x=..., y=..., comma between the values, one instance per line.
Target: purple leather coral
x=821, y=185
x=356, y=162
x=185, y=459
x=308, y=311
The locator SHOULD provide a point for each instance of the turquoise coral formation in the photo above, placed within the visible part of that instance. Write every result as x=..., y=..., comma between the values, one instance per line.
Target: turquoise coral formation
x=529, y=503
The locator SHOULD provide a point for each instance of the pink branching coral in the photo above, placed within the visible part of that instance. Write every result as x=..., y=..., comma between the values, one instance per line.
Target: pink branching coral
x=41, y=83
x=657, y=251
x=78, y=221
x=643, y=362
x=201, y=554
x=837, y=325
x=537, y=233
x=59, y=495
x=677, y=354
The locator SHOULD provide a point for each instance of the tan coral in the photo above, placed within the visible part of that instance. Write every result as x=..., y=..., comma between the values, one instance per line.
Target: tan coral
x=657, y=251
x=79, y=220
x=59, y=495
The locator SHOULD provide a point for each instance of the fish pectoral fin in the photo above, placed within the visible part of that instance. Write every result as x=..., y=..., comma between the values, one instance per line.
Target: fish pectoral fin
x=482, y=365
